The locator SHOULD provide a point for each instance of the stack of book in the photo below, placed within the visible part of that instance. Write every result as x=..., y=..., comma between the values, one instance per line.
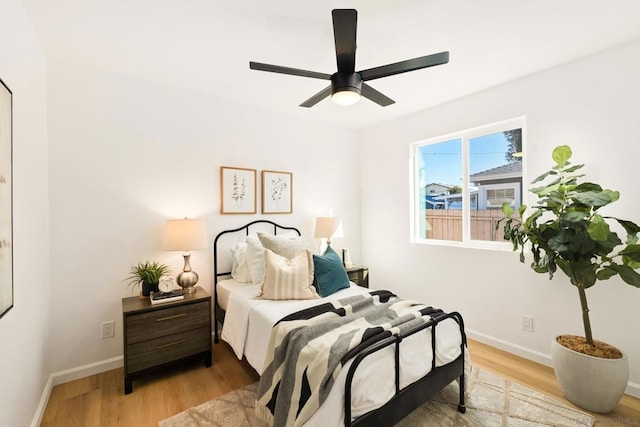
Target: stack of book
x=162, y=297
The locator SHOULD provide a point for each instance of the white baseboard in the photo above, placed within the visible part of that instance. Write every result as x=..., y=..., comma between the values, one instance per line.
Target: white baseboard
x=70, y=375
x=86, y=370
x=37, y=418
x=633, y=389
x=518, y=350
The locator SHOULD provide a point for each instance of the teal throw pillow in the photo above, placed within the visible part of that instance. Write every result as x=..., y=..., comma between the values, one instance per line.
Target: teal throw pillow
x=329, y=273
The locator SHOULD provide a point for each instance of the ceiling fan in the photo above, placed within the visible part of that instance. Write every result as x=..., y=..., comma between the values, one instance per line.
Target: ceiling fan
x=347, y=85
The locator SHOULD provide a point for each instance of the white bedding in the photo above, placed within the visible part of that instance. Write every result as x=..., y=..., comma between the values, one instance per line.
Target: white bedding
x=247, y=328
x=225, y=288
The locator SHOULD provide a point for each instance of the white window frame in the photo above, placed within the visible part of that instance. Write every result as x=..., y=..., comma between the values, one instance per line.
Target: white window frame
x=465, y=136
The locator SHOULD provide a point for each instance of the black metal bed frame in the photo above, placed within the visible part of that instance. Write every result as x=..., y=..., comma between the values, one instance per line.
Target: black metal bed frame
x=218, y=312
x=403, y=401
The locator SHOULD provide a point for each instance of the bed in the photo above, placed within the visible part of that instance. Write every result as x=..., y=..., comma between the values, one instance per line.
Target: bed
x=381, y=384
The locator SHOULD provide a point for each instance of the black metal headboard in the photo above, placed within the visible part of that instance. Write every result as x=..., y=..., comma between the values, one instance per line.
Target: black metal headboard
x=218, y=313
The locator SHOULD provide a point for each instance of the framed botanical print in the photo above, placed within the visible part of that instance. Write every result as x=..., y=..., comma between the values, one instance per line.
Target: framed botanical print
x=238, y=190
x=277, y=192
x=6, y=200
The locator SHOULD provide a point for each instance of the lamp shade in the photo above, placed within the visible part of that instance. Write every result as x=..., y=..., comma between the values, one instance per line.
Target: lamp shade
x=185, y=234
x=326, y=227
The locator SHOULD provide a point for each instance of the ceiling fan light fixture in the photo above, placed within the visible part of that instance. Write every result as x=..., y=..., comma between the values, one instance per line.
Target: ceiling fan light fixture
x=345, y=88
x=346, y=96
x=347, y=85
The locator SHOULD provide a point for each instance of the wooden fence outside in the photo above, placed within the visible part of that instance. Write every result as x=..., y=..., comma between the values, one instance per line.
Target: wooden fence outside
x=446, y=224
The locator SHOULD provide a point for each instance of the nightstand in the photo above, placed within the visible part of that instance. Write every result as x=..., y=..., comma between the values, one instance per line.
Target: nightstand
x=358, y=274
x=161, y=334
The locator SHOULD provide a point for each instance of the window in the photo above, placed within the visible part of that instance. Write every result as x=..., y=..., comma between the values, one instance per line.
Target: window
x=495, y=197
x=461, y=180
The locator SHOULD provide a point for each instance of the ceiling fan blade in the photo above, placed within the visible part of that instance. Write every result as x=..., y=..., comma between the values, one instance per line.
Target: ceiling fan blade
x=344, y=33
x=377, y=97
x=404, y=66
x=317, y=97
x=286, y=70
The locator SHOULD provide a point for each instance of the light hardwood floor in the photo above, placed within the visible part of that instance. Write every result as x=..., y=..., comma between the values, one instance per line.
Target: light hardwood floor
x=99, y=400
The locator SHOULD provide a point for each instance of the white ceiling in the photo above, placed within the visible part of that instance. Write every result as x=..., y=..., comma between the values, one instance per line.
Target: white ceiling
x=206, y=45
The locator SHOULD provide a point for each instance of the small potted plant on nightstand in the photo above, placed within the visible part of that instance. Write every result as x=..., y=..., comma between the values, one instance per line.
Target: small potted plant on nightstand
x=568, y=233
x=147, y=274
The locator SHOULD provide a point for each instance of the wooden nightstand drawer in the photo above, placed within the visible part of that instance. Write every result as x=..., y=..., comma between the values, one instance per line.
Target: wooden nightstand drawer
x=166, y=321
x=167, y=348
x=162, y=334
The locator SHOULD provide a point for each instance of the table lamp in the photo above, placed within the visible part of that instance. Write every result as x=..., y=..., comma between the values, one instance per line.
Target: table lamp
x=185, y=235
x=326, y=227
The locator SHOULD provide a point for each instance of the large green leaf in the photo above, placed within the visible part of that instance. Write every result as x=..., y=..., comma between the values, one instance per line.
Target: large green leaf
x=588, y=186
x=521, y=210
x=507, y=210
x=615, y=195
x=530, y=221
x=592, y=198
x=630, y=262
x=575, y=216
x=628, y=274
x=598, y=229
x=543, y=176
x=571, y=182
x=574, y=168
x=586, y=274
x=561, y=154
x=629, y=227
x=604, y=247
x=632, y=251
x=606, y=273
x=543, y=191
x=557, y=242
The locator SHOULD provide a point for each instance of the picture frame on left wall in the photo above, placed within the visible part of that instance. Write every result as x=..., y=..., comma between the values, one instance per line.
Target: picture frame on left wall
x=238, y=190
x=6, y=199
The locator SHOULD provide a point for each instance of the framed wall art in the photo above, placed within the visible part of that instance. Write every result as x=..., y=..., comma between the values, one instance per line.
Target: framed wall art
x=6, y=199
x=238, y=190
x=277, y=192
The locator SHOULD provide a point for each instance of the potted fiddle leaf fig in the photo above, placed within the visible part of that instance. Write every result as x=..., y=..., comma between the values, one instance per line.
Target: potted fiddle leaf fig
x=567, y=231
x=147, y=275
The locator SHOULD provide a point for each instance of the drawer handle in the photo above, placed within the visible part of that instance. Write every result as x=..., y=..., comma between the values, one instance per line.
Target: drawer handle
x=175, y=316
x=158, y=347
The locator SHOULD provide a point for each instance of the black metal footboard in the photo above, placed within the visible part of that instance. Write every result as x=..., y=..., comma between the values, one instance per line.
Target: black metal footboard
x=411, y=397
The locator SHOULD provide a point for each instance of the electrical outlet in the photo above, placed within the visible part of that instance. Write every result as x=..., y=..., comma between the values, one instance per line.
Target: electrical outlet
x=527, y=323
x=108, y=329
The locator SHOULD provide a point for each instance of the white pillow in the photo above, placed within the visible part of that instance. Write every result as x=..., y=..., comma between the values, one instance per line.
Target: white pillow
x=255, y=255
x=255, y=259
x=240, y=268
x=286, y=279
x=284, y=245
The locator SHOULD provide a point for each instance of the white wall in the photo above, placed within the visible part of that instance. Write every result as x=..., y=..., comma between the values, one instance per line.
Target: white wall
x=590, y=104
x=24, y=351
x=127, y=154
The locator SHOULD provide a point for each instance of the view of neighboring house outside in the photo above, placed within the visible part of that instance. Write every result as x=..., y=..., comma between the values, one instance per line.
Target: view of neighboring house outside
x=494, y=176
x=499, y=185
x=433, y=193
x=488, y=191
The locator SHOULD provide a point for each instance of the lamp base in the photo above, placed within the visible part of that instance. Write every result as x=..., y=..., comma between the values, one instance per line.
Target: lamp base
x=187, y=281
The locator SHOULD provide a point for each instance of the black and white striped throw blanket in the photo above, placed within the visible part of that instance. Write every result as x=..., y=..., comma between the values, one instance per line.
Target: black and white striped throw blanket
x=307, y=350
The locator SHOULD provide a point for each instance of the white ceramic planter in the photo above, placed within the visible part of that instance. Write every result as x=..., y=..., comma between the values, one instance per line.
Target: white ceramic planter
x=592, y=383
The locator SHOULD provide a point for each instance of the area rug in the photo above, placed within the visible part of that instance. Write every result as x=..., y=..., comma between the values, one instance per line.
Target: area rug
x=491, y=401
